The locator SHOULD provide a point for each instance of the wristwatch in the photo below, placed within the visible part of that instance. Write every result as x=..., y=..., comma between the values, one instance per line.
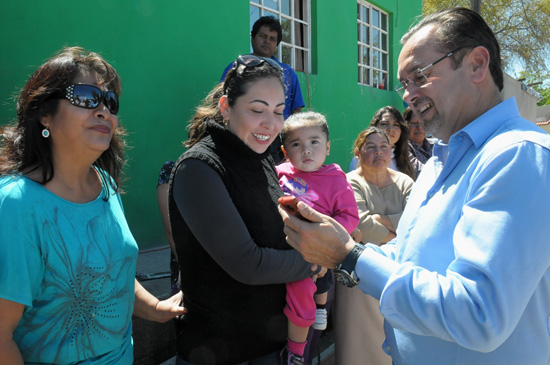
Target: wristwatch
x=345, y=272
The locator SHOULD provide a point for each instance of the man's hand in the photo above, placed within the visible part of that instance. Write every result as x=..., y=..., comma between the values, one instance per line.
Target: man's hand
x=322, y=240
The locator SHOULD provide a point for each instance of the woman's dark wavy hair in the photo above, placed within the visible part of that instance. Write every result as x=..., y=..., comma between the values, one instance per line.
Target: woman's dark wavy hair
x=22, y=147
x=401, y=151
x=236, y=84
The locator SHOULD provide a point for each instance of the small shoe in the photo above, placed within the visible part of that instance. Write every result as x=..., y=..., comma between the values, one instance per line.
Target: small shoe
x=320, y=320
x=289, y=358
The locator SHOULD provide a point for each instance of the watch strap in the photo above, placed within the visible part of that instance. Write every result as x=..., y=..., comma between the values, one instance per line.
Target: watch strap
x=351, y=259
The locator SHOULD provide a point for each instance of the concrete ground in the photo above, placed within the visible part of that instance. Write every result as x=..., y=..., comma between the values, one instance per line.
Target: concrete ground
x=154, y=343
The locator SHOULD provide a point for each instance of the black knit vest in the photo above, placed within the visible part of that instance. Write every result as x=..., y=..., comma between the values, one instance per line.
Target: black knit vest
x=229, y=322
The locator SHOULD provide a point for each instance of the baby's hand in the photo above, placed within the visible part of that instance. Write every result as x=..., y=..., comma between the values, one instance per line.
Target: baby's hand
x=320, y=274
x=357, y=235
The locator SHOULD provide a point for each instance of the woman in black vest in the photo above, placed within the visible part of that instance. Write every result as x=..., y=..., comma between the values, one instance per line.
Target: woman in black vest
x=228, y=233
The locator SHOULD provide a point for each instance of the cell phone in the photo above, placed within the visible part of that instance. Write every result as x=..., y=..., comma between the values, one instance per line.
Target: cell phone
x=290, y=203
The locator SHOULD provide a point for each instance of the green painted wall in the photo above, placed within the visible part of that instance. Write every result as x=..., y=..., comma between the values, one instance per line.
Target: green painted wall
x=170, y=53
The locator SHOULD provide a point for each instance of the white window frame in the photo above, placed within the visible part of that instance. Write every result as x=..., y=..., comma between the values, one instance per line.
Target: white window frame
x=288, y=50
x=372, y=52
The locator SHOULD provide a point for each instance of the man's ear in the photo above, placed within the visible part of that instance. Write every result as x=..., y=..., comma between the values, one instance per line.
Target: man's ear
x=479, y=60
x=224, y=107
x=328, y=148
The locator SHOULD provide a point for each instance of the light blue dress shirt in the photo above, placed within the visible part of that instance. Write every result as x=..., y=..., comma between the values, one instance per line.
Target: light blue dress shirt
x=467, y=280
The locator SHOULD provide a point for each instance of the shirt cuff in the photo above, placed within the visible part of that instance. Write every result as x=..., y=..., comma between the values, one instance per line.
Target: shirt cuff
x=374, y=271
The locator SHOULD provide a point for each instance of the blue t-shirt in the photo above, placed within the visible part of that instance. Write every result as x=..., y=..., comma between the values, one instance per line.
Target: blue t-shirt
x=293, y=93
x=73, y=267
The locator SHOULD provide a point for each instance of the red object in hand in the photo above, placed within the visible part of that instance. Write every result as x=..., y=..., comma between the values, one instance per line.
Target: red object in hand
x=290, y=203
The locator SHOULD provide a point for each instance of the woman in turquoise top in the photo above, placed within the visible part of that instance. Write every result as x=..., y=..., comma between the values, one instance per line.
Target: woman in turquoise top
x=67, y=256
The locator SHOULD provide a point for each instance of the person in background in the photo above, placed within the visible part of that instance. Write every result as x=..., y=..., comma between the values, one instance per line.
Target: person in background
x=228, y=234
x=67, y=256
x=467, y=279
x=390, y=120
x=381, y=194
x=420, y=146
x=265, y=37
x=306, y=145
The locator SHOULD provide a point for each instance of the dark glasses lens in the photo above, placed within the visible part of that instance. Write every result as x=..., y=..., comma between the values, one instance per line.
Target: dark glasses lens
x=89, y=97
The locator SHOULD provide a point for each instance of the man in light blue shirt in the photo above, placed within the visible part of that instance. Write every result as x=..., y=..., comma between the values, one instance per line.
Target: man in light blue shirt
x=467, y=280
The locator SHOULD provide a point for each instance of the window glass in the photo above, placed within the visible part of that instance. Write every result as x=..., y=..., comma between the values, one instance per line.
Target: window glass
x=270, y=4
x=285, y=25
x=373, y=49
x=285, y=7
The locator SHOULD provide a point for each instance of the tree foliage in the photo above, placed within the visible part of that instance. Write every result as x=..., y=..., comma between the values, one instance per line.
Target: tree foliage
x=522, y=28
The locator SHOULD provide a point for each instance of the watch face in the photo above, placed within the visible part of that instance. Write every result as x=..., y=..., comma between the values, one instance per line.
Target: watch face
x=344, y=278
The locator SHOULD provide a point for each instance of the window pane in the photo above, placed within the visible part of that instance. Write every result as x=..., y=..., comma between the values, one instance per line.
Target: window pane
x=285, y=51
x=359, y=55
x=384, y=62
x=285, y=25
x=300, y=9
x=255, y=1
x=366, y=58
x=359, y=7
x=375, y=20
x=364, y=34
x=360, y=75
x=385, y=42
x=300, y=60
x=365, y=15
x=384, y=24
x=366, y=78
x=376, y=59
x=384, y=84
x=270, y=4
x=254, y=15
x=376, y=79
x=376, y=38
x=285, y=7
x=300, y=31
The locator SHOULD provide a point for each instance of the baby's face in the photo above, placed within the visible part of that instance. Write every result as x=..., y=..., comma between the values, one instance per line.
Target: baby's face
x=307, y=148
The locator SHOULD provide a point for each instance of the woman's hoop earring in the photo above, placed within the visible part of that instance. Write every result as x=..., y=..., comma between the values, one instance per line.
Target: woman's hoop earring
x=45, y=132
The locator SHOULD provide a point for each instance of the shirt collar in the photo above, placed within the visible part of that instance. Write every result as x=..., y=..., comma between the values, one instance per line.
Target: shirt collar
x=481, y=128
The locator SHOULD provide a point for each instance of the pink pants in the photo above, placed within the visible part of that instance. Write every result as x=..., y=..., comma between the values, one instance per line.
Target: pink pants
x=300, y=306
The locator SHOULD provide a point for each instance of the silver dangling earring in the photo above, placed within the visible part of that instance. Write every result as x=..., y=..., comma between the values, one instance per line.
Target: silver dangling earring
x=45, y=132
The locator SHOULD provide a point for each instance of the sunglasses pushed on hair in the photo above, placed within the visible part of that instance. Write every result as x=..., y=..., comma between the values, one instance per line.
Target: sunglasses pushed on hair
x=90, y=96
x=251, y=60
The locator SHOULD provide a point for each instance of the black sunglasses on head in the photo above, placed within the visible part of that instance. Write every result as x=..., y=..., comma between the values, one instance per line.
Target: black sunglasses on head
x=251, y=60
x=90, y=96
